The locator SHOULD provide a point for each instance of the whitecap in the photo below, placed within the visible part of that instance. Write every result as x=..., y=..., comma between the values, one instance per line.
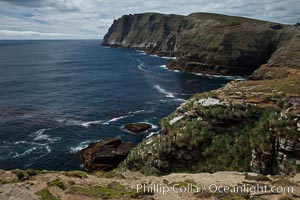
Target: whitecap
x=239, y=78
x=163, y=91
x=152, y=133
x=39, y=135
x=29, y=151
x=82, y=145
x=169, y=58
x=136, y=112
x=87, y=124
x=163, y=66
x=140, y=67
x=107, y=122
x=116, y=119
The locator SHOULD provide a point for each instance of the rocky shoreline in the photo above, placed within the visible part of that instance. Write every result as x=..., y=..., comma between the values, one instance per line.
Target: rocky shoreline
x=251, y=125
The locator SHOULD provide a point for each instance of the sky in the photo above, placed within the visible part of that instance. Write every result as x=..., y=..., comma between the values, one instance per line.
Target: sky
x=90, y=19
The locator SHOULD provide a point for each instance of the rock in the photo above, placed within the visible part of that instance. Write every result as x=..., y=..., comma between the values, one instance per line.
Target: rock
x=176, y=119
x=209, y=102
x=7, y=177
x=137, y=127
x=104, y=155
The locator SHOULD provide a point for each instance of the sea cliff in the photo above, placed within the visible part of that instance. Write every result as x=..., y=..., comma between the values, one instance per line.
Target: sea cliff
x=210, y=43
x=252, y=125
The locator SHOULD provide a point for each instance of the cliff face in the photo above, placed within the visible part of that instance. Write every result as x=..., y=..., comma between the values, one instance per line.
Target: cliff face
x=209, y=43
x=245, y=126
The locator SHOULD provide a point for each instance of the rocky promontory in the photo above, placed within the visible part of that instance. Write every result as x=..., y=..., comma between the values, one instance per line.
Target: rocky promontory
x=251, y=125
x=104, y=155
x=211, y=43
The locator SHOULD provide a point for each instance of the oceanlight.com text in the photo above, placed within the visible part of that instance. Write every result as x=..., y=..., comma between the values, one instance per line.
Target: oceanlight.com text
x=213, y=188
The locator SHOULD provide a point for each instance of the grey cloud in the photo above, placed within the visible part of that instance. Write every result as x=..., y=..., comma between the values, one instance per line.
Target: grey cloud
x=93, y=17
x=60, y=5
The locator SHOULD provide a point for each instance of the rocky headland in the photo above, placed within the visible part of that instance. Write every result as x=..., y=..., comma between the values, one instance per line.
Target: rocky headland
x=250, y=128
x=211, y=43
x=251, y=125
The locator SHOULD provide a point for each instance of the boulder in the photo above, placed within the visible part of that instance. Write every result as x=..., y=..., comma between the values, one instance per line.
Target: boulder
x=7, y=177
x=137, y=127
x=104, y=155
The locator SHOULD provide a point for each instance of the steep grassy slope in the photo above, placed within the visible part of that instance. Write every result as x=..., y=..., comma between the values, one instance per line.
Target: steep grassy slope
x=245, y=126
x=251, y=125
x=209, y=43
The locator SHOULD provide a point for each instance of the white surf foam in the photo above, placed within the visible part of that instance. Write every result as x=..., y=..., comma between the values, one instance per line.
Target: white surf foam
x=39, y=136
x=168, y=94
x=88, y=124
x=169, y=58
x=140, y=67
x=80, y=146
x=163, y=91
x=240, y=78
x=152, y=133
x=29, y=151
x=107, y=122
x=33, y=146
x=115, y=119
x=163, y=66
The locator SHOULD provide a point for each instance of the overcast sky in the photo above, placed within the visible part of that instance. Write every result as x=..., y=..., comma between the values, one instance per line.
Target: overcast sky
x=39, y=19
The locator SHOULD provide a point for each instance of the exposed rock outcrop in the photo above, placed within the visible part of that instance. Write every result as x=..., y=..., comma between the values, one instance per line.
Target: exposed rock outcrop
x=251, y=125
x=104, y=155
x=244, y=126
x=133, y=185
x=210, y=43
x=137, y=128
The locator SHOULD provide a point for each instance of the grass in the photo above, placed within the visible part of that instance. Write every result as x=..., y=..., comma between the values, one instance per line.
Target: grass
x=76, y=174
x=57, y=183
x=111, y=191
x=45, y=194
x=26, y=174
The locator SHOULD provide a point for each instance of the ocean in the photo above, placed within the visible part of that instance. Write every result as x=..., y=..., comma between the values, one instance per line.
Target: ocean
x=57, y=96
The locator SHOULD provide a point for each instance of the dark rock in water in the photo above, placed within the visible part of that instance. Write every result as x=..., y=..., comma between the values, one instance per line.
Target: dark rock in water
x=105, y=155
x=137, y=127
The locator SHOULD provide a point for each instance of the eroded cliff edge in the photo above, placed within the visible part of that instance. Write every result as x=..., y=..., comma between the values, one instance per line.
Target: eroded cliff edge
x=245, y=126
x=210, y=43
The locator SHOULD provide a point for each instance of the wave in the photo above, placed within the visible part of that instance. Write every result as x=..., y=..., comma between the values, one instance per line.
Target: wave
x=140, y=67
x=107, y=122
x=239, y=78
x=87, y=124
x=116, y=119
x=29, y=151
x=163, y=91
x=163, y=66
x=168, y=94
x=169, y=58
x=70, y=122
x=152, y=133
x=33, y=147
x=166, y=68
x=82, y=145
x=39, y=136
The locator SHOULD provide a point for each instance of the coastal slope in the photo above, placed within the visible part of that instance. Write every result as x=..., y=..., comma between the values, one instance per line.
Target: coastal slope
x=244, y=126
x=77, y=185
x=210, y=43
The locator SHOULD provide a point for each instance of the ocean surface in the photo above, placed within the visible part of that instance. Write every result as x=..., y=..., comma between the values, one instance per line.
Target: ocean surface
x=56, y=97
